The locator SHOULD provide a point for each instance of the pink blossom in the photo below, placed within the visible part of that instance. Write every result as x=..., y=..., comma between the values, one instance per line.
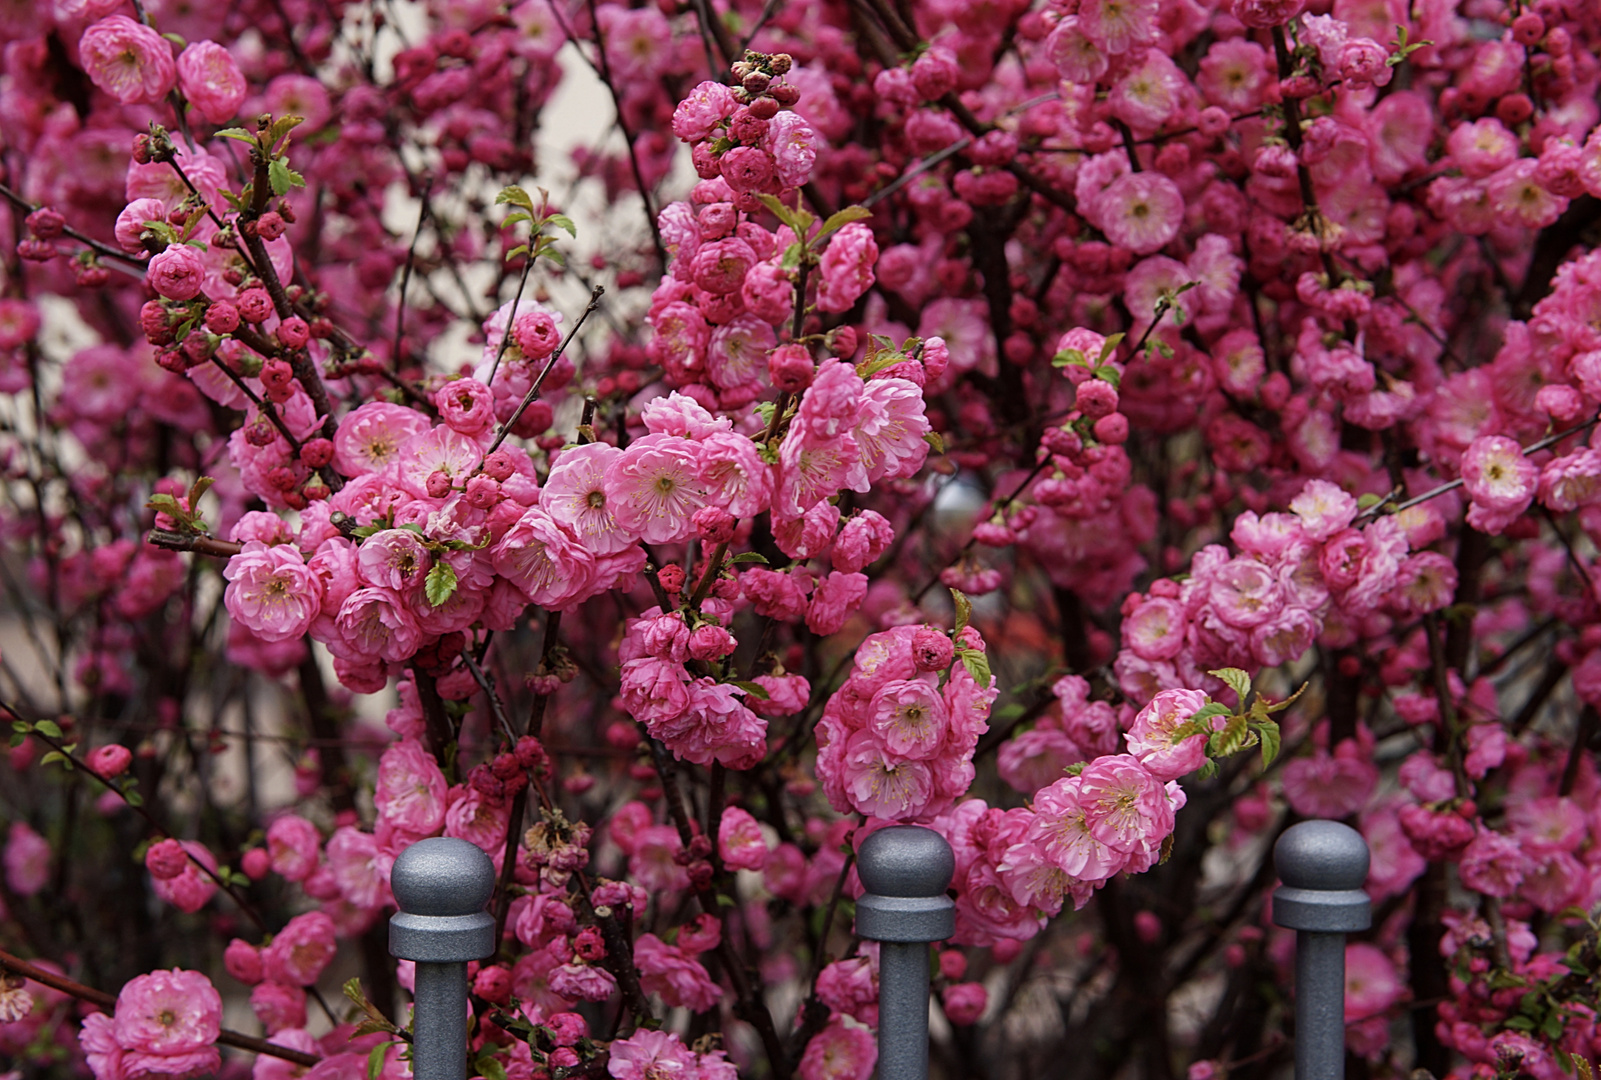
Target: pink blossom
x=740, y=841
x=544, y=561
x=370, y=436
x=1372, y=984
x=651, y=1055
x=679, y=980
x=168, y=1014
x=1077, y=58
x=243, y=961
x=128, y=60
x=909, y=718
x=1265, y=14
x=1493, y=864
x=792, y=144
x=301, y=950
x=574, y=495
x=374, y=624
x=654, y=488
x=1118, y=25
x=1151, y=737
x=293, y=843
x=834, y=598
x=279, y=1006
x=846, y=268
x=582, y=982
x=881, y=784
x=841, y=1051
x=211, y=81
x=27, y=859
x=1329, y=786
x=1500, y=481
x=360, y=872
x=964, y=1002
x=410, y=793
x=703, y=109
x=1125, y=806
x=191, y=889
x=178, y=272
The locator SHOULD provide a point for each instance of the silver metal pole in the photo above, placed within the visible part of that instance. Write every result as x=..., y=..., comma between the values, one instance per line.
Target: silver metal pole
x=441, y=885
x=1323, y=865
x=905, y=870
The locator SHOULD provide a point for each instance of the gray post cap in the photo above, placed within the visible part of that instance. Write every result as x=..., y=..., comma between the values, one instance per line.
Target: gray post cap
x=905, y=870
x=441, y=886
x=1323, y=865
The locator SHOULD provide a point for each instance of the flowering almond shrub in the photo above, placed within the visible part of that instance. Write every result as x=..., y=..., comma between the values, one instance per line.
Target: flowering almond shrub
x=1102, y=431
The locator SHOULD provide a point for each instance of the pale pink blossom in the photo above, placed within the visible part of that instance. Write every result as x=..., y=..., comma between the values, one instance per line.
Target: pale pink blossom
x=654, y=488
x=543, y=560
x=128, y=60
x=410, y=793
x=740, y=840
x=27, y=859
x=299, y=952
x=369, y=437
x=293, y=844
x=211, y=80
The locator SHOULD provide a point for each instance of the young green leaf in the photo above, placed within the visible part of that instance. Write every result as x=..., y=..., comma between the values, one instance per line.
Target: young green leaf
x=440, y=583
x=564, y=223
x=840, y=219
x=282, y=177
x=375, y=1060
x=964, y=609
x=754, y=689
x=936, y=441
x=1236, y=680
x=749, y=557
x=1269, y=732
x=977, y=665
x=48, y=727
x=516, y=196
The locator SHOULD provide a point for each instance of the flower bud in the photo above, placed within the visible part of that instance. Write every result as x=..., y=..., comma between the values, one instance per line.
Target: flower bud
x=166, y=859
x=110, y=760
x=790, y=368
x=438, y=484
x=932, y=650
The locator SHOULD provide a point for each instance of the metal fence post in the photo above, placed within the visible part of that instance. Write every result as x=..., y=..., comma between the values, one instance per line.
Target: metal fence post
x=905, y=870
x=441, y=886
x=1323, y=865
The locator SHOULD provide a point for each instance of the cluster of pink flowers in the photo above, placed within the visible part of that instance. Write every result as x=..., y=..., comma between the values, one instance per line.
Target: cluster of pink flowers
x=896, y=740
x=1217, y=349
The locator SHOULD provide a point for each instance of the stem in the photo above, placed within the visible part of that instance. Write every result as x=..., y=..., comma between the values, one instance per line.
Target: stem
x=533, y=391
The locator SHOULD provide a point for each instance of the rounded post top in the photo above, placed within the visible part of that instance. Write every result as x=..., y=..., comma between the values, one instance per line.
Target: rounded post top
x=1324, y=856
x=442, y=875
x=906, y=860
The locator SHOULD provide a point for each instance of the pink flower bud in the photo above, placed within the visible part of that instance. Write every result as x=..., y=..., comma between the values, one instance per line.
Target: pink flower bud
x=932, y=650
x=493, y=984
x=254, y=305
x=48, y=224
x=714, y=525
x=243, y=960
x=790, y=367
x=535, y=334
x=672, y=578
x=166, y=859
x=500, y=465
x=711, y=643
x=110, y=760
x=270, y=226
x=438, y=484
x=293, y=332
x=317, y=452
x=1112, y=429
x=953, y=964
x=256, y=863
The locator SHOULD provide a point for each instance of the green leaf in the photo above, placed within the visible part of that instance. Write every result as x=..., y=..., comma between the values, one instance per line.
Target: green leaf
x=784, y=214
x=516, y=196
x=1271, y=740
x=440, y=583
x=198, y=489
x=1070, y=356
x=936, y=441
x=237, y=135
x=177, y=39
x=491, y=1069
x=515, y=218
x=520, y=249
x=48, y=727
x=564, y=223
x=282, y=177
x=840, y=219
x=375, y=1060
x=53, y=757
x=977, y=665
x=1075, y=769
x=792, y=256
x=556, y=257
x=1110, y=347
x=754, y=689
x=352, y=991
x=133, y=798
x=1237, y=680
x=749, y=557
x=21, y=727
x=1368, y=500
x=964, y=610
x=1109, y=374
